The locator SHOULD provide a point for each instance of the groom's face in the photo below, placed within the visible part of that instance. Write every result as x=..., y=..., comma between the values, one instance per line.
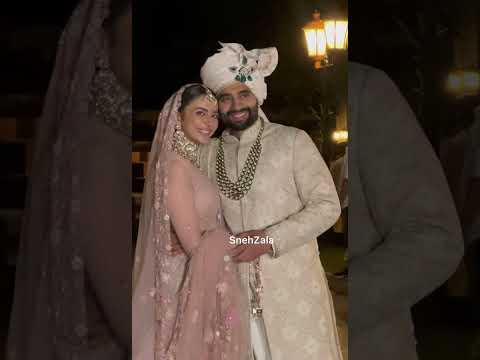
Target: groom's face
x=238, y=106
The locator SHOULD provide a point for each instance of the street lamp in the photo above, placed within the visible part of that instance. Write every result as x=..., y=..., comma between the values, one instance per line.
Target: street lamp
x=337, y=34
x=316, y=38
x=324, y=39
x=322, y=36
x=340, y=136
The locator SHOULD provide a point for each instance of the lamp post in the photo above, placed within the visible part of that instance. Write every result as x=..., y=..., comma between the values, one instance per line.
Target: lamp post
x=324, y=36
x=316, y=38
x=324, y=39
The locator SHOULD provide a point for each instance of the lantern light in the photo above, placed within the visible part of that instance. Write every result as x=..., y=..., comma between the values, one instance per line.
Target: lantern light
x=340, y=136
x=463, y=83
x=322, y=36
x=316, y=40
x=337, y=34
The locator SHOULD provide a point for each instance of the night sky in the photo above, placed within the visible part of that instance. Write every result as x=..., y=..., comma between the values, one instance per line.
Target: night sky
x=173, y=39
x=29, y=32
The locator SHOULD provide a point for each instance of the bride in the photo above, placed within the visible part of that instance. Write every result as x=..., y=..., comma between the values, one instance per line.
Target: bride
x=187, y=298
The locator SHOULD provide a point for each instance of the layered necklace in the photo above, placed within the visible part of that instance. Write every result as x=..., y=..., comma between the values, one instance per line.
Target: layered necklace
x=237, y=190
x=185, y=148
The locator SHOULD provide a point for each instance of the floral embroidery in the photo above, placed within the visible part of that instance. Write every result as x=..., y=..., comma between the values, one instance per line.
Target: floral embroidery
x=113, y=103
x=232, y=317
x=289, y=333
x=303, y=308
x=311, y=346
x=294, y=272
x=322, y=324
x=165, y=277
x=195, y=316
x=222, y=288
x=169, y=314
x=281, y=294
x=208, y=337
x=152, y=292
x=315, y=288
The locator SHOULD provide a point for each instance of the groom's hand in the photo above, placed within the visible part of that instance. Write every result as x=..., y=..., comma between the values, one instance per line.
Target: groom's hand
x=249, y=252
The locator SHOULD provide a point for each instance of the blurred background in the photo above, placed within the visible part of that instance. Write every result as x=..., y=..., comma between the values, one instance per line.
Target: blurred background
x=29, y=32
x=431, y=50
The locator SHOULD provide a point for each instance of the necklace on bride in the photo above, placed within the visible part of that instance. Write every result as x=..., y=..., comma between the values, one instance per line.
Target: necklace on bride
x=184, y=147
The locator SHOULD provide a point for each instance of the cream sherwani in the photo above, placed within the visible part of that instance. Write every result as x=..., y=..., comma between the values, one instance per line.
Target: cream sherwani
x=294, y=198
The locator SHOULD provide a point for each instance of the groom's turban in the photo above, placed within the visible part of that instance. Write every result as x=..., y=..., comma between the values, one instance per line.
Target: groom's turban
x=234, y=63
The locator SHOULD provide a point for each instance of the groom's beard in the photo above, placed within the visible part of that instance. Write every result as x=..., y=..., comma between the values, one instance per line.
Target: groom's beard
x=231, y=124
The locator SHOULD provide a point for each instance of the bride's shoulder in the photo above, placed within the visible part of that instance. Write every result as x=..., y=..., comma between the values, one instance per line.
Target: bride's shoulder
x=177, y=165
x=175, y=160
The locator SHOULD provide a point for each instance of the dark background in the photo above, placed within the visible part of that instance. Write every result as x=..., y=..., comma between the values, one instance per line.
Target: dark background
x=29, y=31
x=417, y=43
x=414, y=42
x=172, y=41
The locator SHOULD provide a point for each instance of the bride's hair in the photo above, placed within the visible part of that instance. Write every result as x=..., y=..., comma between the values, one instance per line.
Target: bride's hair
x=191, y=93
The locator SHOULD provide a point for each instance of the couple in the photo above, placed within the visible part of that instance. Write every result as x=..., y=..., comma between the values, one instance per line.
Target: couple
x=197, y=295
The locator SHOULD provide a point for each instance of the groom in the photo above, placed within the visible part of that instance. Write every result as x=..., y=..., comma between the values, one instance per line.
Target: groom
x=275, y=186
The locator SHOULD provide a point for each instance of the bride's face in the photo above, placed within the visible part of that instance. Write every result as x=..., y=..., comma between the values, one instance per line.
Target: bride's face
x=200, y=120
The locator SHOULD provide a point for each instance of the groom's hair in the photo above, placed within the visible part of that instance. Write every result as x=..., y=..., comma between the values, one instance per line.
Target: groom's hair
x=191, y=93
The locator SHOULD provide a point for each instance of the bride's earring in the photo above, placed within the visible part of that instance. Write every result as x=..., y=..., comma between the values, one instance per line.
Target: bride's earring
x=185, y=147
x=178, y=135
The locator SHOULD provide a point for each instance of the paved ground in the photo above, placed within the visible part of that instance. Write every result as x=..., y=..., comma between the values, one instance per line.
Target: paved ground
x=332, y=257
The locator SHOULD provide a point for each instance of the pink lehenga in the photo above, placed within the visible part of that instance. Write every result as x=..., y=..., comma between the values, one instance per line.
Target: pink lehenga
x=187, y=298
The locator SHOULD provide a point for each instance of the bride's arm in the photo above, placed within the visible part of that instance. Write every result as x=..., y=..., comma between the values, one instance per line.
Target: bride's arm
x=181, y=206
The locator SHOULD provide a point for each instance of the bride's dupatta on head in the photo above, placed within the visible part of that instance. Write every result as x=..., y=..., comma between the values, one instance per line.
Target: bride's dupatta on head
x=184, y=306
x=157, y=252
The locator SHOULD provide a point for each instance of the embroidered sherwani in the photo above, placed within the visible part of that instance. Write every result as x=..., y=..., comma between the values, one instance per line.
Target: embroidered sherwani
x=293, y=198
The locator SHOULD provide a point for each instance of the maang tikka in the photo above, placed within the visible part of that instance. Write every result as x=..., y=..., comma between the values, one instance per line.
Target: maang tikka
x=209, y=95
